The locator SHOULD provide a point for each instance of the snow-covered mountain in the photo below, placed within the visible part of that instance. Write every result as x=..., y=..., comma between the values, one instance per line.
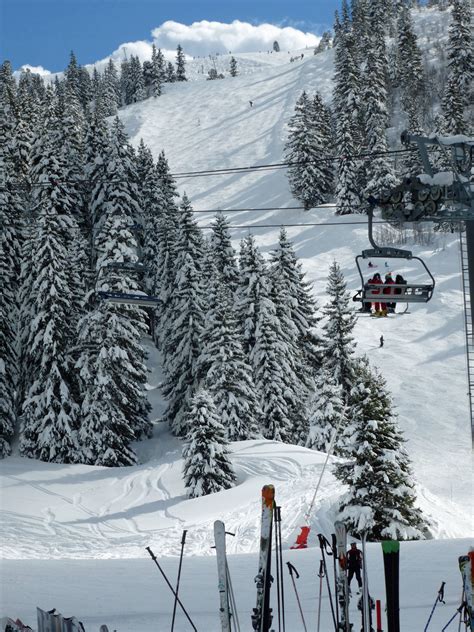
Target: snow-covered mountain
x=75, y=512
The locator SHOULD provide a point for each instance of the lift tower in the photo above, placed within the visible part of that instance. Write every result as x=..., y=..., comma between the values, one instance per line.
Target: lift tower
x=442, y=196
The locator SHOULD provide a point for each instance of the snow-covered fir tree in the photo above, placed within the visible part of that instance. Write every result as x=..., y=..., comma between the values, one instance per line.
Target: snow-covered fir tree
x=207, y=467
x=379, y=171
x=339, y=344
x=109, y=91
x=50, y=412
x=277, y=384
x=183, y=320
x=346, y=109
x=458, y=91
x=223, y=253
x=9, y=266
x=156, y=74
x=166, y=239
x=381, y=497
x=180, y=64
x=116, y=244
x=292, y=294
x=250, y=286
x=409, y=68
x=223, y=367
x=170, y=76
x=326, y=412
x=309, y=174
x=233, y=70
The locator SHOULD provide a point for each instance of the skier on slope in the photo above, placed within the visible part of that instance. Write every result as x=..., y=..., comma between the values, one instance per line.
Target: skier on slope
x=354, y=564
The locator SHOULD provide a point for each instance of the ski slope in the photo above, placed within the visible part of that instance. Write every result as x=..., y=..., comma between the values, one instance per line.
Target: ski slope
x=72, y=534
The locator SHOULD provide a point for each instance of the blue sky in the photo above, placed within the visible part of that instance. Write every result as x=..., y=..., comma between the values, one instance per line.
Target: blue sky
x=43, y=32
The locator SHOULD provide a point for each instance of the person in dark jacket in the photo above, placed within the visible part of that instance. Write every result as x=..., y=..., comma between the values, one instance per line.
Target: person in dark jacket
x=354, y=564
x=388, y=307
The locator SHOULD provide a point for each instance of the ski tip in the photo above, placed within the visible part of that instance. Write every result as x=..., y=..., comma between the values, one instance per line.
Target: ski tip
x=390, y=546
x=268, y=495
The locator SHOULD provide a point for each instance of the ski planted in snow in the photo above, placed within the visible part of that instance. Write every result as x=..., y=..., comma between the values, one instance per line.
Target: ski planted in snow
x=262, y=613
x=391, y=563
x=466, y=566
x=341, y=582
x=224, y=607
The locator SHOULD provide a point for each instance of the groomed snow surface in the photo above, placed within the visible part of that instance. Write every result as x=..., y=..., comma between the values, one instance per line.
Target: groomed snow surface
x=74, y=536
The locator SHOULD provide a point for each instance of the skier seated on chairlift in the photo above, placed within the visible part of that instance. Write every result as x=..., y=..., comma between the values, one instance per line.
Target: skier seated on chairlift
x=375, y=280
x=354, y=565
x=388, y=308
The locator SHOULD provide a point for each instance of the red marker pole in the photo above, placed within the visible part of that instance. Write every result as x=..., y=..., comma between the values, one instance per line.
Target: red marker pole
x=378, y=610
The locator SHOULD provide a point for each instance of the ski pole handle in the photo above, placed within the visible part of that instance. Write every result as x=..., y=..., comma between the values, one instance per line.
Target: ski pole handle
x=441, y=593
x=291, y=568
x=183, y=538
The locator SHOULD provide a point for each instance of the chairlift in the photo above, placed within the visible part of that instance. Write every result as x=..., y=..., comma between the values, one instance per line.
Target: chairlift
x=399, y=293
x=123, y=298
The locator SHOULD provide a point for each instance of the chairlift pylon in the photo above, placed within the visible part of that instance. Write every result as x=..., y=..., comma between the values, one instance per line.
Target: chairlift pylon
x=400, y=293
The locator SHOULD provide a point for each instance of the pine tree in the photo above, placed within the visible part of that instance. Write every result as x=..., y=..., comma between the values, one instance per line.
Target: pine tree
x=116, y=244
x=48, y=385
x=223, y=368
x=108, y=98
x=310, y=178
x=224, y=254
x=170, y=73
x=410, y=73
x=207, y=467
x=248, y=291
x=49, y=422
x=346, y=108
x=381, y=496
x=183, y=320
x=233, y=67
x=156, y=71
x=293, y=297
x=379, y=171
x=9, y=265
x=326, y=413
x=458, y=91
x=275, y=379
x=105, y=432
x=180, y=64
x=339, y=342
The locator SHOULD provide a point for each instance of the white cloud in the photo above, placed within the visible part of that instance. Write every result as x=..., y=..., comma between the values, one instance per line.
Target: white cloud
x=202, y=38
x=37, y=70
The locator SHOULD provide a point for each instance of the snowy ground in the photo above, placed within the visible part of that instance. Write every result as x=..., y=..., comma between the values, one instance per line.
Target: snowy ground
x=73, y=536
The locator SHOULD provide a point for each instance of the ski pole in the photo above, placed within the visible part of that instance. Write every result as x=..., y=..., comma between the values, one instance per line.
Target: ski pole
x=291, y=568
x=334, y=558
x=439, y=598
x=320, y=575
x=183, y=540
x=279, y=558
x=322, y=544
x=378, y=610
x=458, y=612
x=366, y=614
x=153, y=557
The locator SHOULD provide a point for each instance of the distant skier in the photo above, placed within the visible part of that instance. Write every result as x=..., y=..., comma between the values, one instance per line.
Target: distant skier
x=381, y=341
x=354, y=564
x=251, y=103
